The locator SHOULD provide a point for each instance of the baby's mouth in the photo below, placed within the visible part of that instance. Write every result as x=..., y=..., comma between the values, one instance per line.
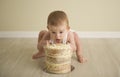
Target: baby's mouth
x=58, y=41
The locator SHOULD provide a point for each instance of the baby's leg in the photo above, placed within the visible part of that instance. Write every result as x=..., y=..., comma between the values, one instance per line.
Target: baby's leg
x=40, y=53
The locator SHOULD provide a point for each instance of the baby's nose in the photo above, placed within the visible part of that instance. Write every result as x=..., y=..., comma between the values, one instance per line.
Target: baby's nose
x=57, y=36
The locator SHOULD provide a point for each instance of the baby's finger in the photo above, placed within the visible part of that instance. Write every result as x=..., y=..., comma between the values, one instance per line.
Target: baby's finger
x=50, y=42
x=47, y=42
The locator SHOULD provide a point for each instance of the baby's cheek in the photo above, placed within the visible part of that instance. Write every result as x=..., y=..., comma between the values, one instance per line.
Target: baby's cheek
x=52, y=36
x=63, y=36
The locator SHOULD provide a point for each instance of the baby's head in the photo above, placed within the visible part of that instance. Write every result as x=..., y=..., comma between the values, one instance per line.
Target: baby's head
x=58, y=25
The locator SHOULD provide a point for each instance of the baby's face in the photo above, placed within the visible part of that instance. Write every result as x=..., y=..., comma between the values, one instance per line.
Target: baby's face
x=58, y=33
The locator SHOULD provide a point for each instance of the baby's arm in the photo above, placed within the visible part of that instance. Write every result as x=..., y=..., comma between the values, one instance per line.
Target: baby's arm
x=75, y=45
x=81, y=59
x=43, y=42
x=71, y=41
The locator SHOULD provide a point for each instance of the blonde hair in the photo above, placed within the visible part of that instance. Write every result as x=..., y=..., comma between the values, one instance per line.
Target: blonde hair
x=57, y=17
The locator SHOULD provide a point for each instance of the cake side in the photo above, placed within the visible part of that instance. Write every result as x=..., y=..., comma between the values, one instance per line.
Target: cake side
x=58, y=68
x=58, y=58
x=58, y=50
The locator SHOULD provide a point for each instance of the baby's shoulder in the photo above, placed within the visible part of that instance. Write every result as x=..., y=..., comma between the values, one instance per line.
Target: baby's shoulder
x=70, y=35
x=45, y=34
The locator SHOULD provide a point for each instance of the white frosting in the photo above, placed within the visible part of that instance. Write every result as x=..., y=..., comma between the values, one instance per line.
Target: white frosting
x=58, y=50
x=58, y=46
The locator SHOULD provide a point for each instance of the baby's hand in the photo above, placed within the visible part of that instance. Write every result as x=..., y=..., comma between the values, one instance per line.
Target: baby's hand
x=81, y=59
x=47, y=42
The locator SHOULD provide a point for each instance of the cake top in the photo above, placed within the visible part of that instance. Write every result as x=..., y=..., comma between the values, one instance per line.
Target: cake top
x=58, y=46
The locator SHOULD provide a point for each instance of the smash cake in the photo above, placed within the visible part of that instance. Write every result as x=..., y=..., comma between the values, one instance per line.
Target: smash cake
x=58, y=58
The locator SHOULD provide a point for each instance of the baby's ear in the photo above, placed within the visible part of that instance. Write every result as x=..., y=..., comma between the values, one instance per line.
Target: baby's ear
x=47, y=27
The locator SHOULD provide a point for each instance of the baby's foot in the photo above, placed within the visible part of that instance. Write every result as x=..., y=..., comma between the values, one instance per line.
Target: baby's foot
x=38, y=55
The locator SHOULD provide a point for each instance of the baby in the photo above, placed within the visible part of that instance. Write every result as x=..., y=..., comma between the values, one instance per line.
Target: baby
x=58, y=32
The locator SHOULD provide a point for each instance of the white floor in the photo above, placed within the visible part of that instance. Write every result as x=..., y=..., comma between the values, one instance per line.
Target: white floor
x=103, y=59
